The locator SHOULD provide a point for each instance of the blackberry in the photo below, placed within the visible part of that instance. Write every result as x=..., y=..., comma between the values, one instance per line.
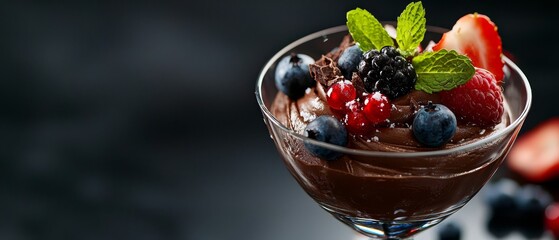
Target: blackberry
x=387, y=71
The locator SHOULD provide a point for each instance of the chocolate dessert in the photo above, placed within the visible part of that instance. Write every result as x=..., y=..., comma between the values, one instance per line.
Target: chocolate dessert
x=382, y=99
x=391, y=187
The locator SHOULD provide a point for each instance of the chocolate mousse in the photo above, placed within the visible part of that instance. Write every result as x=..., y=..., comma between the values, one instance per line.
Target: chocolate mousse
x=387, y=188
x=363, y=181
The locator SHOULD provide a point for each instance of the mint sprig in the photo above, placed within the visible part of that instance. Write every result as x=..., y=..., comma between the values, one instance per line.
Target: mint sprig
x=411, y=28
x=441, y=70
x=367, y=30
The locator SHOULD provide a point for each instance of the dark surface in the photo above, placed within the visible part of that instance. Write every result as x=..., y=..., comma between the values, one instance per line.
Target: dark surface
x=139, y=121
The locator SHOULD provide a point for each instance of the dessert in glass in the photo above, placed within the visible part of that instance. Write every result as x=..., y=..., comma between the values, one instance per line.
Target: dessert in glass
x=391, y=154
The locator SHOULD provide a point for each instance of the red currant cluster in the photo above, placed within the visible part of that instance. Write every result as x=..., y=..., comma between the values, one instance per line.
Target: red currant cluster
x=359, y=113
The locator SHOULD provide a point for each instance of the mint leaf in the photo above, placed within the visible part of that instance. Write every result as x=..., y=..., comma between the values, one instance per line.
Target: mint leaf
x=367, y=30
x=441, y=70
x=411, y=28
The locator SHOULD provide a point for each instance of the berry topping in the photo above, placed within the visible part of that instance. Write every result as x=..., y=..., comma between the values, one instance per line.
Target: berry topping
x=292, y=75
x=355, y=120
x=339, y=94
x=535, y=155
x=531, y=201
x=325, y=71
x=326, y=129
x=349, y=60
x=476, y=36
x=500, y=196
x=434, y=125
x=376, y=108
x=516, y=208
x=450, y=231
x=478, y=101
x=388, y=72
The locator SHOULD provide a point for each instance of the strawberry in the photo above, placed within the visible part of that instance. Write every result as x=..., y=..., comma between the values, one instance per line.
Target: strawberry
x=478, y=101
x=552, y=219
x=535, y=155
x=476, y=36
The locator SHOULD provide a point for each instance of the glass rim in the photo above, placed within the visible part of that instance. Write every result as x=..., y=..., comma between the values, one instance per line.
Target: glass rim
x=352, y=151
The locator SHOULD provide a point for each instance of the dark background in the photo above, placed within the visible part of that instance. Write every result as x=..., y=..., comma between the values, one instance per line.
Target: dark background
x=139, y=121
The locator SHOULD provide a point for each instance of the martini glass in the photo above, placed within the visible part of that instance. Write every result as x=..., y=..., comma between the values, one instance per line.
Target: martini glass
x=391, y=195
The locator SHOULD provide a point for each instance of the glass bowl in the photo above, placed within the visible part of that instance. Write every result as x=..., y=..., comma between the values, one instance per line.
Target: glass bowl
x=391, y=195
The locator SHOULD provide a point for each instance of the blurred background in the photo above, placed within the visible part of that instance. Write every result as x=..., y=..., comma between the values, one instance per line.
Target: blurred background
x=139, y=121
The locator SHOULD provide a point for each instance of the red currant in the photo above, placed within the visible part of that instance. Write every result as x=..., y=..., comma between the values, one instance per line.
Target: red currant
x=552, y=219
x=355, y=120
x=376, y=108
x=339, y=94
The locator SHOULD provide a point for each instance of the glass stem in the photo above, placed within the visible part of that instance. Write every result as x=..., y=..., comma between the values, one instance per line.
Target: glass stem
x=385, y=228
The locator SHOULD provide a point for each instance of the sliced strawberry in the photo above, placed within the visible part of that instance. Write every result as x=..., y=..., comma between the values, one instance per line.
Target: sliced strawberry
x=535, y=155
x=476, y=36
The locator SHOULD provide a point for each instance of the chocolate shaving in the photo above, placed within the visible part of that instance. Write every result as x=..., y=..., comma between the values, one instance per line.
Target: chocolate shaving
x=414, y=105
x=358, y=84
x=325, y=71
x=336, y=79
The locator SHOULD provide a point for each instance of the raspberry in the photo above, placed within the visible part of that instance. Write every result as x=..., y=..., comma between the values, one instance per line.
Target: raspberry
x=339, y=94
x=376, y=108
x=388, y=72
x=355, y=120
x=479, y=101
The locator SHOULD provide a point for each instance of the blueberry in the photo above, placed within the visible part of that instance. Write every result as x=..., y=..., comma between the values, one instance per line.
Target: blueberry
x=293, y=76
x=450, y=231
x=500, y=196
x=326, y=129
x=532, y=200
x=517, y=208
x=500, y=227
x=349, y=60
x=434, y=125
